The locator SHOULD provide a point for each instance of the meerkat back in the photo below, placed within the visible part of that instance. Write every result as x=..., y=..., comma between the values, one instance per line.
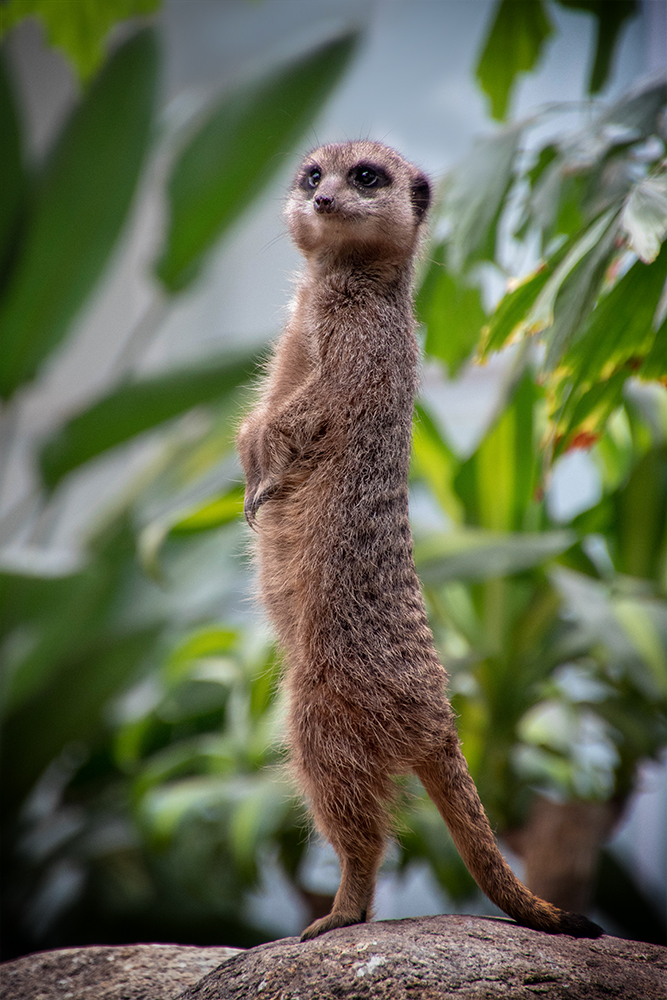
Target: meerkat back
x=326, y=455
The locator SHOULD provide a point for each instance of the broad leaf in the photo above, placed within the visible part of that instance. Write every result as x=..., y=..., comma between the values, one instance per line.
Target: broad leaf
x=638, y=112
x=513, y=45
x=541, y=315
x=70, y=709
x=80, y=206
x=640, y=524
x=475, y=197
x=508, y=322
x=60, y=617
x=620, y=330
x=582, y=418
x=655, y=365
x=435, y=463
x=485, y=555
x=645, y=622
x=632, y=630
x=452, y=311
x=136, y=407
x=237, y=152
x=578, y=294
x=213, y=513
x=611, y=17
x=77, y=27
x=498, y=483
x=13, y=181
x=611, y=348
x=644, y=217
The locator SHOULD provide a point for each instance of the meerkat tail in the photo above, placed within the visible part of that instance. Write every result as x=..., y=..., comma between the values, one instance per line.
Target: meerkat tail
x=452, y=789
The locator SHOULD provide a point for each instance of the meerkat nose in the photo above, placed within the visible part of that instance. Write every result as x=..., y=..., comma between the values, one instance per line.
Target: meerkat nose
x=324, y=203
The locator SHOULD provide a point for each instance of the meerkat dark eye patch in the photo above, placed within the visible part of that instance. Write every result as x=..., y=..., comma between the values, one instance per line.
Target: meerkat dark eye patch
x=310, y=178
x=420, y=195
x=369, y=177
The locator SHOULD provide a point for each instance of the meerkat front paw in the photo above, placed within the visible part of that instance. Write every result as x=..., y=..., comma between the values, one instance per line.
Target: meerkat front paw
x=255, y=498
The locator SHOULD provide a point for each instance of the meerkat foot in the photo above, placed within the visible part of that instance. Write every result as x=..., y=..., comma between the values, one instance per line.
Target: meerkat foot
x=331, y=921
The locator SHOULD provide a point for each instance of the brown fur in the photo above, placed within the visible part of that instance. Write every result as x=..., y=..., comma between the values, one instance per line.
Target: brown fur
x=326, y=456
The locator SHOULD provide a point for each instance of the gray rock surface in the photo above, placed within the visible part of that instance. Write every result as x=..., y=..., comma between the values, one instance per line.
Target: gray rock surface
x=439, y=958
x=127, y=972
x=434, y=958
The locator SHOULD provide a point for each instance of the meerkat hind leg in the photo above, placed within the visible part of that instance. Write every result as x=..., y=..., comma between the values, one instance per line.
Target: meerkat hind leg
x=357, y=832
x=354, y=896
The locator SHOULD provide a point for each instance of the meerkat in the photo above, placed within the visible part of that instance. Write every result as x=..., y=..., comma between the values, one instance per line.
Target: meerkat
x=325, y=455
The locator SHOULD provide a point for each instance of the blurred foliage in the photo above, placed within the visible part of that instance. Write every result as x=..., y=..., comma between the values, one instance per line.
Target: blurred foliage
x=593, y=204
x=75, y=209
x=234, y=155
x=137, y=733
x=78, y=28
x=142, y=779
x=517, y=36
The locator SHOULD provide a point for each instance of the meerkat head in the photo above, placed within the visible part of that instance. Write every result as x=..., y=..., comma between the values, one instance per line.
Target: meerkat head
x=357, y=198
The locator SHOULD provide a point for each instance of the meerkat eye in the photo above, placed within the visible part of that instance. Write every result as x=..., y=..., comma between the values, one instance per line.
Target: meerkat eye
x=366, y=176
x=309, y=179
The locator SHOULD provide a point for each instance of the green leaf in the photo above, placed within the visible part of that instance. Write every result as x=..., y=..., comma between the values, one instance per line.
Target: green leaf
x=640, y=524
x=165, y=806
x=577, y=297
x=238, y=150
x=545, y=158
x=541, y=315
x=655, y=365
x=435, y=463
x=69, y=709
x=645, y=622
x=612, y=347
x=137, y=407
x=13, y=181
x=610, y=21
x=497, y=484
x=213, y=513
x=484, y=555
x=475, y=196
x=80, y=206
x=452, y=311
x=620, y=329
x=209, y=641
x=48, y=621
x=644, y=217
x=587, y=412
x=513, y=45
x=639, y=113
x=508, y=322
x=257, y=819
x=77, y=27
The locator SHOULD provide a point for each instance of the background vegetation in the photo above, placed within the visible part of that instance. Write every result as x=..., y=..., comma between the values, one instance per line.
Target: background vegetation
x=141, y=787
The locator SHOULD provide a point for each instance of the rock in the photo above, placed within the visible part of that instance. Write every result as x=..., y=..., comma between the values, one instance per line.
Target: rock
x=434, y=958
x=128, y=972
x=439, y=958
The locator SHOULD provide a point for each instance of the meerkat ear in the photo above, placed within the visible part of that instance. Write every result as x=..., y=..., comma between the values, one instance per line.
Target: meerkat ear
x=420, y=196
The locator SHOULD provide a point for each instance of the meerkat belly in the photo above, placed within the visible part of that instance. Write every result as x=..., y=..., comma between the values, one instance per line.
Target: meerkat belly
x=339, y=581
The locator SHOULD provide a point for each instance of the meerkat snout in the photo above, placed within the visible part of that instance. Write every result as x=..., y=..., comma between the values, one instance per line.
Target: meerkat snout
x=324, y=204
